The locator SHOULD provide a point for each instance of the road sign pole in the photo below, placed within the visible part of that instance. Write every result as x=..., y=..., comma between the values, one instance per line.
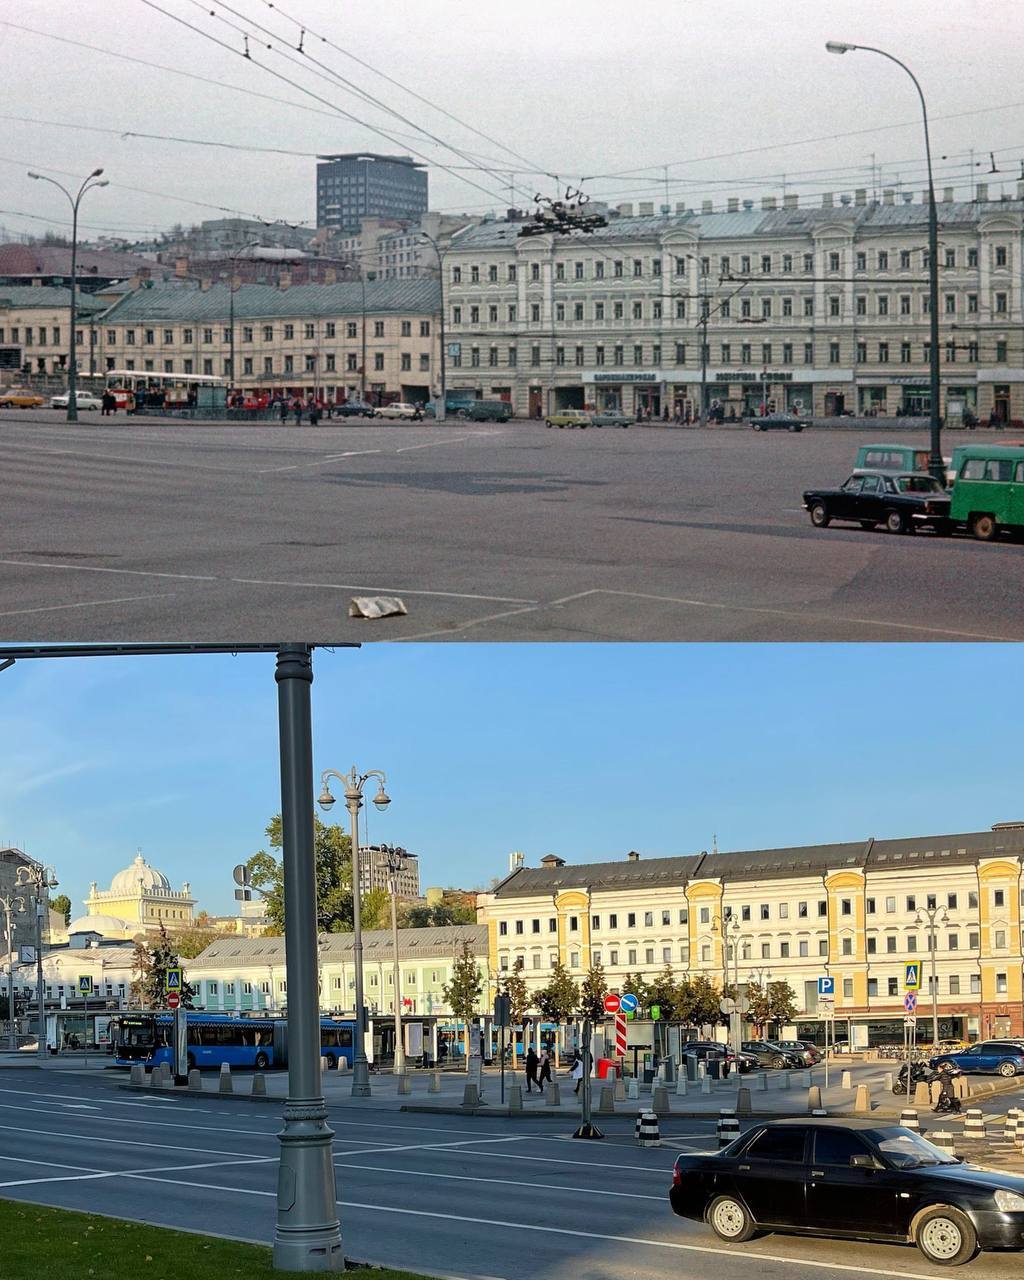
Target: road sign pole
x=180, y=1045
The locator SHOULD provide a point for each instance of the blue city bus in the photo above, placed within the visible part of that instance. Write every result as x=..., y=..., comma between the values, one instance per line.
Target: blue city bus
x=260, y=1044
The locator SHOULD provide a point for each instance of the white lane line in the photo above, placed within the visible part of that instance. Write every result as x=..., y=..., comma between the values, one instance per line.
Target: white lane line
x=125, y=1142
x=155, y=1124
x=263, y=582
x=86, y=604
x=135, y=459
x=436, y=1146
x=664, y=1172
x=508, y=1182
x=318, y=462
x=123, y=1173
x=433, y=444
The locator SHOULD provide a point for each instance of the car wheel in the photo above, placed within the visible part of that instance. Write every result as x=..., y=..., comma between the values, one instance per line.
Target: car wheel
x=547, y=423
x=729, y=1220
x=778, y=1063
x=985, y=528
x=793, y=427
x=262, y=1062
x=895, y=522
x=946, y=1236
x=820, y=517
x=868, y=524
x=1007, y=1069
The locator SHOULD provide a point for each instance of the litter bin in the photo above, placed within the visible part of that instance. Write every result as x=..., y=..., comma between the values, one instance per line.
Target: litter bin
x=607, y=1067
x=716, y=1068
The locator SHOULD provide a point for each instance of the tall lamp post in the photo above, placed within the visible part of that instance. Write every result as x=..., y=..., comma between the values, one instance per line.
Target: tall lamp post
x=9, y=903
x=39, y=881
x=933, y=917
x=396, y=864
x=354, y=784
x=88, y=184
x=723, y=924
x=440, y=410
x=935, y=464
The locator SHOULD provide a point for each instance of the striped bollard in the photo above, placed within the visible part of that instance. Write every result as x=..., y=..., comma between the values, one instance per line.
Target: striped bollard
x=909, y=1119
x=1010, y=1125
x=943, y=1139
x=647, y=1132
x=1018, y=1136
x=728, y=1128
x=974, y=1125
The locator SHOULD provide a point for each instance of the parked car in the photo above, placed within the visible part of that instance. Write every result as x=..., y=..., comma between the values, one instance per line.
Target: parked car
x=806, y=1050
x=892, y=457
x=858, y=1179
x=777, y=422
x=485, y=411
x=989, y=1057
x=611, y=418
x=398, y=409
x=354, y=409
x=988, y=490
x=768, y=1054
x=20, y=398
x=83, y=400
x=568, y=418
x=705, y=1050
x=900, y=502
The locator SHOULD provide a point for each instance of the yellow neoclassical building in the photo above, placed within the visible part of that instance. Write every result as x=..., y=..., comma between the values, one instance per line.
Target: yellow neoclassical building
x=858, y=912
x=140, y=899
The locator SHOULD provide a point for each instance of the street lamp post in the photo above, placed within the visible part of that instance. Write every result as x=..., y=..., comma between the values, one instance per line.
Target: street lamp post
x=722, y=924
x=10, y=903
x=440, y=410
x=40, y=880
x=354, y=783
x=396, y=863
x=935, y=464
x=74, y=201
x=933, y=917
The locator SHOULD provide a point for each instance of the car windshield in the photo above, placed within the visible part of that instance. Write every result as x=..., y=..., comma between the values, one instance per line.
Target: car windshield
x=919, y=484
x=907, y=1150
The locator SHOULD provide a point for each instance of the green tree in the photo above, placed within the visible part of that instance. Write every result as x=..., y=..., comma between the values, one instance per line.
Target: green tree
x=666, y=993
x=781, y=1003
x=511, y=983
x=592, y=993
x=416, y=917
x=635, y=985
x=332, y=851
x=192, y=942
x=759, y=1010
x=558, y=1001
x=701, y=998
x=62, y=903
x=463, y=992
x=149, y=973
x=375, y=909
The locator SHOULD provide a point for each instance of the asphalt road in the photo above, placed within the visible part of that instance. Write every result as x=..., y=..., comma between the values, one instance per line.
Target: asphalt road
x=125, y=530
x=442, y=1194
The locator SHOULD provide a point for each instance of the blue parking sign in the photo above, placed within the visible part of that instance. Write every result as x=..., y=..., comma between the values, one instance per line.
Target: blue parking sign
x=826, y=986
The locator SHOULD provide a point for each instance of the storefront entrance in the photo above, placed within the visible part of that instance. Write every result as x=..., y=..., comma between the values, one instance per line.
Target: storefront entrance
x=917, y=402
x=536, y=402
x=1001, y=403
x=835, y=404
x=648, y=403
x=872, y=401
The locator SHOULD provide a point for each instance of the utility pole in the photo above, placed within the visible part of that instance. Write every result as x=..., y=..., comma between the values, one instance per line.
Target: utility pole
x=933, y=917
x=396, y=861
x=40, y=880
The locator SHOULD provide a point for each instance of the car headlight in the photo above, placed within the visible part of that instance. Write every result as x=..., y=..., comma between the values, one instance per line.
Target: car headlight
x=1009, y=1202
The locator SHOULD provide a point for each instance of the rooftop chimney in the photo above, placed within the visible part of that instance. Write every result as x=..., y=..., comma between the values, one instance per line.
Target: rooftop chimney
x=706, y=206
x=552, y=860
x=284, y=280
x=646, y=208
x=947, y=195
x=734, y=204
x=982, y=191
x=888, y=196
x=767, y=202
x=748, y=204
x=633, y=856
x=908, y=197
x=680, y=206
x=860, y=195
x=791, y=200
x=827, y=200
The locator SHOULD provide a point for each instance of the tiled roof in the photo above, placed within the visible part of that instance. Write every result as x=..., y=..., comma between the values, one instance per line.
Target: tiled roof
x=919, y=853
x=25, y=297
x=436, y=942
x=188, y=302
x=55, y=260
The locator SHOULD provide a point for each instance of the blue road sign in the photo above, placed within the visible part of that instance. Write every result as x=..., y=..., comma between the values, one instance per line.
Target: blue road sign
x=826, y=986
x=912, y=977
x=910, y=1002
x=173, y=980
x=628, y=1003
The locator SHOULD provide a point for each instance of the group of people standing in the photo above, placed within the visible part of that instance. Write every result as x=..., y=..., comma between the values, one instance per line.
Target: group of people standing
x=314, y=410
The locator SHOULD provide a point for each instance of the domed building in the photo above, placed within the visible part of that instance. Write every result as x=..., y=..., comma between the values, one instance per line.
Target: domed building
x=140, y=899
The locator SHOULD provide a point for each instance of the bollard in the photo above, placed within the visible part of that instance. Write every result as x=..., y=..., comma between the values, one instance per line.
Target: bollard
x=943, y=1139
x=620, y=1089
x=813, y=1099
x=343, y=1064
x=259, y=1085
x=681, y=1085
x=702, y=1071
x=195, y=1080
x=887, y=1081
x=515, y=1097
x=909, y=1119
x=787, y=1080
x=762, y=1080
x=606, y=1100
x=435, y=1082
x=1010, y=1125
x=470, y=1095
x=728, y=1127
x=961, y=1088
x=974, y=1125
x=863, y=1103
x=743, y=1104
x=633, y=1089
x=659, y=1101
x=922, y=1094
x=553, y=1094
x=137, y=1075
x=647, y=1132
x=705, y=1084
x=167, y=1077
x=225, y=1078
x=156, y=1076
x=846, y=1081
x=325, y=1064
x=1018, y=1136
x=404, y=1084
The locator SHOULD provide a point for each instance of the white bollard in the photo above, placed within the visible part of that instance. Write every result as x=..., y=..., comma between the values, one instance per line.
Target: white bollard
x=681, y=1085
x=259, y=1085
x=195, y=1080
x=137, y=1075
x=470, y=1095
x=435, y=1082
x=762, y=1080
x=225, y=1085
x=620, y=1089
x=553, y=1094
x=909, y=1119
x=847, y=1080
x=974, y=1125
x=342, y=1064
x=515, y=1097
x=633, y=1089
x=705, y=1084
x=325, y=1064
x=404, y=1084
x=659, y=1101
x=887, y=1082
x=606, y=1101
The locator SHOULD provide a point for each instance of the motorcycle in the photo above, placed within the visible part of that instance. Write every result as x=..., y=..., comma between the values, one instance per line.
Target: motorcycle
x=907, y=1078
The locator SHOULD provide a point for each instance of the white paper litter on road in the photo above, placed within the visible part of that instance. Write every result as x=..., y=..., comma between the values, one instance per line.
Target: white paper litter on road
x=376, y=607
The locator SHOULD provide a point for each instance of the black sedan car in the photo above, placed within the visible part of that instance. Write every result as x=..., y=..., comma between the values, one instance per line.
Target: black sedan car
x=770, y=1054
x=777, y=422
x=858, y=1179
x=900, y=502
x=354, y=409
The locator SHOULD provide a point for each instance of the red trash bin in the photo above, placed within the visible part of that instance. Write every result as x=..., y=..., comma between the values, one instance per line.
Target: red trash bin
x=607, y=1067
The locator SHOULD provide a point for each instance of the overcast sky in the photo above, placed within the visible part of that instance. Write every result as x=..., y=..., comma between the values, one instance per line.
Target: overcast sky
x=583, y=750
x=587, y=87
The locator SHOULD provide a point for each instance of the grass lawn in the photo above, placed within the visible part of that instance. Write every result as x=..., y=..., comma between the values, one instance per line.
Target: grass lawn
x=40, y=1242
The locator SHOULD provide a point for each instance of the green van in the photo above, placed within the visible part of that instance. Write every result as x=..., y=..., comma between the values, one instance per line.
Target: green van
x=892, y=457
x=988, y=490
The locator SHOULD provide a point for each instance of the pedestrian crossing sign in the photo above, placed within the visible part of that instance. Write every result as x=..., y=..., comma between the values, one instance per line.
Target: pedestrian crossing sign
x=912, y=977
x=85, y=984
x=173, y=980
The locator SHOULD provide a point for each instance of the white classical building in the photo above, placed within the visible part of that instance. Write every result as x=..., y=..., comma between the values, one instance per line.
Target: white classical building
x=140, y=899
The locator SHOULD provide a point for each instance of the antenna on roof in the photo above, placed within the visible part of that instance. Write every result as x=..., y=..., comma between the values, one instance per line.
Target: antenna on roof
x=714, y=842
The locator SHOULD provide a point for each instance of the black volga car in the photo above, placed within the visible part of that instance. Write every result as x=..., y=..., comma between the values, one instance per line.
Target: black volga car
x=862, y=1179
x=899, y=501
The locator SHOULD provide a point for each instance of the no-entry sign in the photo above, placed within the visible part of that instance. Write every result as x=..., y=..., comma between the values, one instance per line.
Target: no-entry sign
x=611, y=1003
x=173, y=999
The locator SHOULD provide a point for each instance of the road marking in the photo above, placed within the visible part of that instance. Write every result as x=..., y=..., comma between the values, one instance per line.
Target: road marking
x=319, y=462
x=126, y=1142
x=437, y=1146
x=432, y=444
x=510, y=1182
x=85, y=604
x=137, y=460
x=159, y=1124
x=664, y=1172
x=123, y=1173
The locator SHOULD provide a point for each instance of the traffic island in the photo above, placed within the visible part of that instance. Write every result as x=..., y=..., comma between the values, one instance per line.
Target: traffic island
x=41, y=1241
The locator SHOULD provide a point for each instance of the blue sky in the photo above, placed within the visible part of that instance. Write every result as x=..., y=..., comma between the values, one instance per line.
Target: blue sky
x=584, y=750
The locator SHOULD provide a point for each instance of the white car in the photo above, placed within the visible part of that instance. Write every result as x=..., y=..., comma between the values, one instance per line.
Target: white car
x=83, y=400
x=397, y=410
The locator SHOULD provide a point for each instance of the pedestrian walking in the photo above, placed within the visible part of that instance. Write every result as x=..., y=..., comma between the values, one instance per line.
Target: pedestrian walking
x=282, y=409
x=109, y=403
x=544, y=1076
x=532, y=1062
x=577, y=1071
x=297, y=408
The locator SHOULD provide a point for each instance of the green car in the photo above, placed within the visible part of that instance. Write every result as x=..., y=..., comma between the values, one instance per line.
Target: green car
x=568, y=418
x=485, y=411
x=988, y=490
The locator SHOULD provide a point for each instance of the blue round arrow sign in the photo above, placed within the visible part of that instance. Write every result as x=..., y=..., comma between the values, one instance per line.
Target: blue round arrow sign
x=628, y=1003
